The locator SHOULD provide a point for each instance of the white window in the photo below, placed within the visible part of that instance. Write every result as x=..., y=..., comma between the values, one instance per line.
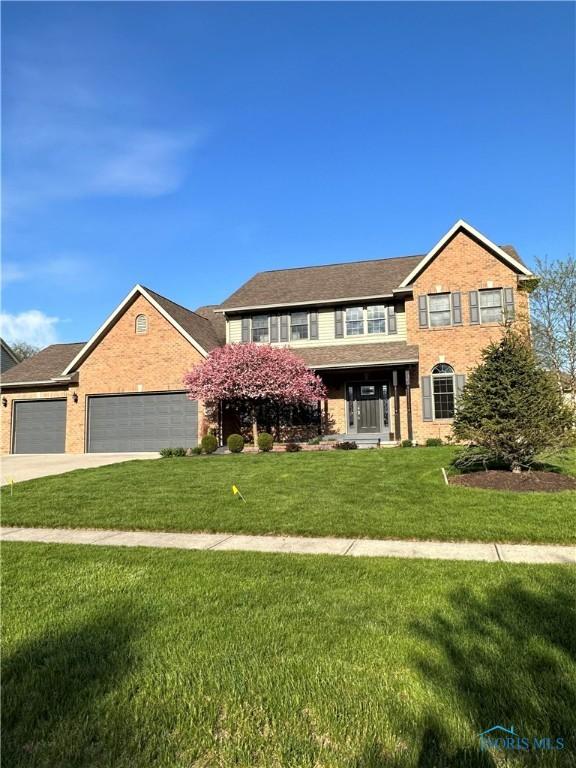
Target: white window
x=260, y=328
x=443, y=391
x=354, y=321
x=141, y=324
x=439, y=309
x=376, y=319
x=491, y=306
x=299, y=325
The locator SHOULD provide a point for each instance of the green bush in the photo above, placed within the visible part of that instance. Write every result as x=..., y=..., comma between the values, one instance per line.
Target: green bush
x=315, y=440
x=433, y=442
x=347, y=445
x=179, y=451
x=166, y=453
x=265, y=441
x=209, y=443
x=235, y=443
x=406, y=444
x=292, y=447
x=196, y=451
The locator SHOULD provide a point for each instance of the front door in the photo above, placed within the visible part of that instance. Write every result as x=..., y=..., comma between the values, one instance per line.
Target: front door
x=368, y=407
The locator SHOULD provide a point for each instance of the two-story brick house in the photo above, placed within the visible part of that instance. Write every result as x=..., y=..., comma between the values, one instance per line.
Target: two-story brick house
x=392, y=338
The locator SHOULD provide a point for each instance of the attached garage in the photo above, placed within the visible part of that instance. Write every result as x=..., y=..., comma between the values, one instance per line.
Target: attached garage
x=141, y=422
x=39, y=426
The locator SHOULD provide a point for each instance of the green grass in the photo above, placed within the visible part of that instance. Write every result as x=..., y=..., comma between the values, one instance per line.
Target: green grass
x=391, y=493
x=168, y=659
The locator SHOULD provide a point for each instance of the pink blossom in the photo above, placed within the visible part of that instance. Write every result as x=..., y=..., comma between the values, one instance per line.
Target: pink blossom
x=240, y=372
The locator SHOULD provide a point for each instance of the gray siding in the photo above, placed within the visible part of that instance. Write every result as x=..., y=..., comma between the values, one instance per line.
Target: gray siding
x=141, y=422
x=6, y=360
x=39, y=426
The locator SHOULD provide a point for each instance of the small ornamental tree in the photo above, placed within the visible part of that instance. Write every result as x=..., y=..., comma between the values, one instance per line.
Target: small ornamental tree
x=249, y=374
x=511, y=409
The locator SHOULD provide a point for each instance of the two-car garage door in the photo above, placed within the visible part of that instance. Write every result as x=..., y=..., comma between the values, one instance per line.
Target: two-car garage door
x=141, y=422
x=116, y=423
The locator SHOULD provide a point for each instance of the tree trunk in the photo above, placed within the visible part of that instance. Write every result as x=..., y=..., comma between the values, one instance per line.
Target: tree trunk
x=254, y=427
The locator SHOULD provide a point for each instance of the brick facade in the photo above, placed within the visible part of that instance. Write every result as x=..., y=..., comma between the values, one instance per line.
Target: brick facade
x=121, y=362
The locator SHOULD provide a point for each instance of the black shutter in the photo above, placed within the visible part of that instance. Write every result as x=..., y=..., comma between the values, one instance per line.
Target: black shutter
x=245, y=329
x=284, y=326
x=456, y=308
x=427, y=398
x=338, y=323
x=509, y=303
x=423, y=311
x=392, y=319
x=313, y=325
x=474, y=312
x=273, y=328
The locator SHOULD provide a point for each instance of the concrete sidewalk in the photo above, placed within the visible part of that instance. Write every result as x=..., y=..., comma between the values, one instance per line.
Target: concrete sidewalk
x=435, y=550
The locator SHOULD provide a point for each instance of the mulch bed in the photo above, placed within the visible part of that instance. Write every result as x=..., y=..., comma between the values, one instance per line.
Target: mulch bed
x=501, y=480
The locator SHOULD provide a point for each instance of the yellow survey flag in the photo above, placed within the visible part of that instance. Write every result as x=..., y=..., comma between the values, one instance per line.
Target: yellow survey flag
x=236, y=492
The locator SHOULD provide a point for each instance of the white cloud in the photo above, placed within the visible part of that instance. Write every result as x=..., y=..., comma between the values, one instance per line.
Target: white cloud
x=68, y=136
x=67, y=269
x=32, y=326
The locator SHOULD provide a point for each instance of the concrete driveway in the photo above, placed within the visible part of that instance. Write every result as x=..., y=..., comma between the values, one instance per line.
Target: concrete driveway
x=27, y=466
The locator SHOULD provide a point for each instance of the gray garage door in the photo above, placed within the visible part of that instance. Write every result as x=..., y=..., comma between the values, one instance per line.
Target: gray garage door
x=141, y=422
x=39, y=426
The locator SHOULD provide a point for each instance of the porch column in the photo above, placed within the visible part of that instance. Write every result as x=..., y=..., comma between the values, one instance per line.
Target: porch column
x=409, y=404
x=396, y=393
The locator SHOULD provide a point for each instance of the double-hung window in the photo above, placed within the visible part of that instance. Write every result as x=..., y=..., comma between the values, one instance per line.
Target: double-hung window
x=354, y=321
x=439, y=309
x=260, y=328
x=443, y=391
x=491, y=306
x=376, y=318
x=299, y=325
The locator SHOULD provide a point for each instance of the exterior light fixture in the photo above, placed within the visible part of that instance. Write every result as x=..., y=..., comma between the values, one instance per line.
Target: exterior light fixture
x=74, y=397
x=4, y=402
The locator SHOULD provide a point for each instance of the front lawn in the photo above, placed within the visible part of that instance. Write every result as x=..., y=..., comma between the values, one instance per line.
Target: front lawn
x=390, y=493
x=168, y=659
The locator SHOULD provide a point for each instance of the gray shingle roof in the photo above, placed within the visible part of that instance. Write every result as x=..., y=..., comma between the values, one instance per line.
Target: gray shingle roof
x=197, y=325
x=357, y=279
x=357, y=354
x=44, y=365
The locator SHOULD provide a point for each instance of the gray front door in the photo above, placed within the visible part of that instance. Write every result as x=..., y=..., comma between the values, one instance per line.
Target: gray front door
x=39, y=426
x=368, y=407
x=141, y=422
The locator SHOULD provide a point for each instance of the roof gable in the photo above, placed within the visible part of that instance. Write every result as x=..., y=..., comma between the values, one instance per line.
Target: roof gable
x=507, y=253
x=195, y=328
x=44, y=366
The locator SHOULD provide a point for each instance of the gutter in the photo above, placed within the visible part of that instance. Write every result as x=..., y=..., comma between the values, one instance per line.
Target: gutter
x=312, y=303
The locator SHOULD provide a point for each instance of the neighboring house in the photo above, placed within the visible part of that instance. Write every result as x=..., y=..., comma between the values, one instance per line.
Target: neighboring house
x=8, y=358
x=392, y=338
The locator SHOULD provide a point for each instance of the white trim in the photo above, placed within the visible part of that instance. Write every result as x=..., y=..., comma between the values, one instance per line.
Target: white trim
x=49, y=382
x=360, y=365
x=334, y=301
x=461, y=224
x=119, y=309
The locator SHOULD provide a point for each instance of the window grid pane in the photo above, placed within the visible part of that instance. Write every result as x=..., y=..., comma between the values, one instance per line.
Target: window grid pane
x=299, y=325
x=377, y=326
x=439, y=308
x=354, y=321
x=260, y=328
x=443, y=396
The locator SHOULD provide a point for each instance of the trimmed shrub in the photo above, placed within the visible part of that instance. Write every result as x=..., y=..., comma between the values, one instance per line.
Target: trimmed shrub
x=292, y=447
x=315, y=440
x=209, y=443
x=196, y=451
x=433, y=442
x=346, y=445
x=406, y=444
x=179, y=451
x=166, y=453
x=265, y=441
x=235, y=443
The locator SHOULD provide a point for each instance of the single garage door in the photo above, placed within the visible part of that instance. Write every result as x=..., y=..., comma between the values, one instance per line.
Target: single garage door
x=39, y=426
x=119, y=423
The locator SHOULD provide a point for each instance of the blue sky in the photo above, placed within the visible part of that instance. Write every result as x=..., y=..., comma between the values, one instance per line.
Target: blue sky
x=186, y=146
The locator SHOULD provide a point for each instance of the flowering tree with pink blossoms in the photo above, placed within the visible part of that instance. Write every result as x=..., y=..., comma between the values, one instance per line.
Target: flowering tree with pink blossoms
x=249, y=374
